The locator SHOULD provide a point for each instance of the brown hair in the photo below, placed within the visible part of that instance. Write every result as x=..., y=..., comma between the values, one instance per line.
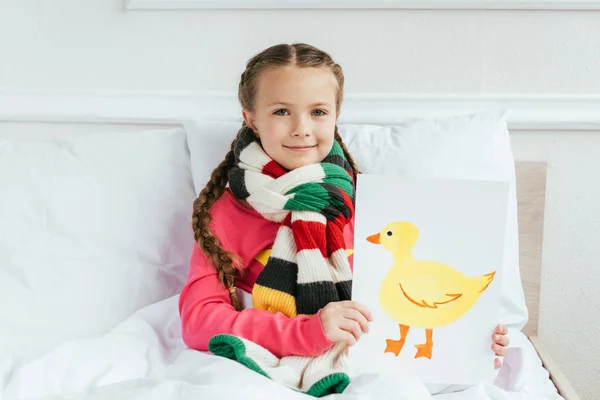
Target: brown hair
x=302, y=55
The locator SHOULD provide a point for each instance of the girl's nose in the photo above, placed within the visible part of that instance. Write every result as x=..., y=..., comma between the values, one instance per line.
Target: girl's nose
x=301, y=133
x=302, y=128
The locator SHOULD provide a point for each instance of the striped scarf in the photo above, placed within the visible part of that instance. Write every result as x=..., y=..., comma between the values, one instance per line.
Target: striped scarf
x=308, y=266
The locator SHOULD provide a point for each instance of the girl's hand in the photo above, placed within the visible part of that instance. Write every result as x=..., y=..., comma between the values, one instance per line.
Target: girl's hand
x=500, y=345
x=345, y=321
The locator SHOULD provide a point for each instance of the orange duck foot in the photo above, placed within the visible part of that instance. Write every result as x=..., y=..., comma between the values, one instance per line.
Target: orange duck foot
x=424, y=350
x=394, y=346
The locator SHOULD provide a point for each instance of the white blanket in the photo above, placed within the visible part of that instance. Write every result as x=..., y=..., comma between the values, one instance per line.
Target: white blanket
x=145, y=358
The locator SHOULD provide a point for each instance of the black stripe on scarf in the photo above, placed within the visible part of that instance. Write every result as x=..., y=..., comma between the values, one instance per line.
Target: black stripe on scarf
x=344, y=289
x=312, y=296
x=338, y=160
x=280, y=275
x=331, y=212
x=237, y=176
x=237, y=183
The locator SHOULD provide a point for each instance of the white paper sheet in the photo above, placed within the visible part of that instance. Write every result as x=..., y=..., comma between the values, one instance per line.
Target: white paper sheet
x=435, y=269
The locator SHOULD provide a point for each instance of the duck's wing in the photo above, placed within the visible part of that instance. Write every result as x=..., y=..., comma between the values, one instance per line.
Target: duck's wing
x=431, y=290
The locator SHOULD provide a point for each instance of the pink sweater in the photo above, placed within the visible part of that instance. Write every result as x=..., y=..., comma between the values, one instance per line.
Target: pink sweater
x=205, y=306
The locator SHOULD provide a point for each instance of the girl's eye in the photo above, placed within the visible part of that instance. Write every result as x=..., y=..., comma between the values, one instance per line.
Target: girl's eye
x=319, y=113
x=280, y=112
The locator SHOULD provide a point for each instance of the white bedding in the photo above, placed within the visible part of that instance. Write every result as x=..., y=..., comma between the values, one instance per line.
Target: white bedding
x=145, y=358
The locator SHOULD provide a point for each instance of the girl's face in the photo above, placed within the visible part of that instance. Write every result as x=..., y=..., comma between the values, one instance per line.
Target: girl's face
x=295, y=114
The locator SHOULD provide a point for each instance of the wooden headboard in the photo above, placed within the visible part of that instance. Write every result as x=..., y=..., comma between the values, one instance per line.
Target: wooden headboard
x=531, y=198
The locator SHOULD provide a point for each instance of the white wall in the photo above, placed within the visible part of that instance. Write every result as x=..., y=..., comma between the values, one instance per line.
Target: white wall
x=96, y=44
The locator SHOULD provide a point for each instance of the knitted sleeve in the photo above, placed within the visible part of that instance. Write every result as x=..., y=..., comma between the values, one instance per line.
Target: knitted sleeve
x=206, y=310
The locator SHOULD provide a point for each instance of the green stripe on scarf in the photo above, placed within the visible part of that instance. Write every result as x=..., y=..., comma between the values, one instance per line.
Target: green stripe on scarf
x=244, y=352
x=308, y=197
x=338, y=176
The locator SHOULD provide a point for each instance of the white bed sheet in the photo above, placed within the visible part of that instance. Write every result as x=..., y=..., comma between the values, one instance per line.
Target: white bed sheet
x=145, y=358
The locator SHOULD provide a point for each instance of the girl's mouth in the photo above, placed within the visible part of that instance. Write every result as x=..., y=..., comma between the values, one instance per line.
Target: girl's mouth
x=300, y=148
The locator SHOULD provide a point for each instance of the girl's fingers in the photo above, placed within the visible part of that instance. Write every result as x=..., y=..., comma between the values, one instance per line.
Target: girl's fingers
x=351, y=326
x=357, y=316
x=502, y=340
x=351, y=339
x=497, y=363
x=348, y=338
x=501, y=330
x=343, y=335
x=357, y=306
x=499, y=350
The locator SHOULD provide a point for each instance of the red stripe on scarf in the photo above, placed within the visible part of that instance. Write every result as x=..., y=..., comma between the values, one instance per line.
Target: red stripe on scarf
x=335, y=237
x=310, y=235
x=351, y=173
x=287, y=221
x=347, y=201
x=273, y=169
x=335, y=228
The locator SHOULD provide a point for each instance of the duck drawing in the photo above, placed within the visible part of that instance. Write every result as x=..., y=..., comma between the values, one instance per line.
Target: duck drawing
x=422, y=294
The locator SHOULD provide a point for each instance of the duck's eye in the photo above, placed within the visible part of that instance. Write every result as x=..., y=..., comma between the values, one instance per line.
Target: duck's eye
x=389, y=233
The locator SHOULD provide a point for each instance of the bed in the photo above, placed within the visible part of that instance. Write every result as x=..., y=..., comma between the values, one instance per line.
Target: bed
x=531, y=189
x=143, y=357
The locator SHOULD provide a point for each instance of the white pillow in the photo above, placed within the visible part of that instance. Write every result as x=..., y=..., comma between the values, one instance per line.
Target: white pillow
x=465, y=147
x=209, y=141
x=91, y=230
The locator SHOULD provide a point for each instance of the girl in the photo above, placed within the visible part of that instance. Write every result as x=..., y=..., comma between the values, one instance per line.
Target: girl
x=275, y=220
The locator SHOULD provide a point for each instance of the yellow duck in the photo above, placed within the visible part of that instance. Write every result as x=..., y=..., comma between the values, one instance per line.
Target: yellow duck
x=422, y=294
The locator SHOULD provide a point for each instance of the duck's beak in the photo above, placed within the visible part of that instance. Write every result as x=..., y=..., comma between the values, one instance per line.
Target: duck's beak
x=374, y=239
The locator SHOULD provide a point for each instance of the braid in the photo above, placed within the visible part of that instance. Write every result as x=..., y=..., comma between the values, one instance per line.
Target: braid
x=347, y=154
x=222, y=259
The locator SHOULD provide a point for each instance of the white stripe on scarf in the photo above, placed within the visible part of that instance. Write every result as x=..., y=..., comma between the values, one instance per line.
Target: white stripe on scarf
x=287, y=249
x=312, y=267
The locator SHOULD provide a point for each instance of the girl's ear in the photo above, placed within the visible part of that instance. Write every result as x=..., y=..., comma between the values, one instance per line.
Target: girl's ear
x=249, y=119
